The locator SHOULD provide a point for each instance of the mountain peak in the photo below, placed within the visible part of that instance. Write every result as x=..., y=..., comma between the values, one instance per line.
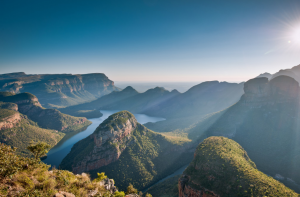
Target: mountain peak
x=129, y=89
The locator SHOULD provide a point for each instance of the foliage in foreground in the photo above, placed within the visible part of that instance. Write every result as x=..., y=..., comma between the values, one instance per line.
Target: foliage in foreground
x=21, y=176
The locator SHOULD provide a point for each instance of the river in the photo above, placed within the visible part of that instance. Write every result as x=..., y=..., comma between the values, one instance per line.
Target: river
x=58, y=152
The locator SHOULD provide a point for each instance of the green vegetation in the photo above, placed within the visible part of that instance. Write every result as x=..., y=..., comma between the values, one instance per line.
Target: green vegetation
x=221, y=165
x=145, y=158
x=26, y=131
x=5, y=113
x=46, y=118
x=167, y=188
x=39, y=149
x=21, y=176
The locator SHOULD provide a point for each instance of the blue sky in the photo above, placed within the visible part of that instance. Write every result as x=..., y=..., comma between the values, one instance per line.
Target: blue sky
x=150, y=40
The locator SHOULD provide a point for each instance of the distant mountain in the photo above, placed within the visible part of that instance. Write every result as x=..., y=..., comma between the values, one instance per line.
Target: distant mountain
x=292, y=72
x=22, y=119
x=128, y=99
x=57, y=90
x=103, y=101
x=266, y=123
x=126, y=151
x=200, y=100
x=267, y=75
x=222, y=168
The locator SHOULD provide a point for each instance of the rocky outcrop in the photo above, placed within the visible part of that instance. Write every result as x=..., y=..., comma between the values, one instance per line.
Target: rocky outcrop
x=109, y=140
x=185, y=190
x=61, y=89
x=261, y=91
x=10, y=121
x=29, y=105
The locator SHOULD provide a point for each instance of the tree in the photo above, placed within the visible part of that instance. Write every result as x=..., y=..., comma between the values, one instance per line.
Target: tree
x=148, y=195
x=119, y=194
x=131, y=189
x=101, y=176
x=38, y=149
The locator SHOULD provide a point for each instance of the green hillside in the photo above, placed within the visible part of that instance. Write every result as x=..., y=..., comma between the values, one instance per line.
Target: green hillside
x=25, y=131
x=29, y=105
x=221, y=166
x=129, y=152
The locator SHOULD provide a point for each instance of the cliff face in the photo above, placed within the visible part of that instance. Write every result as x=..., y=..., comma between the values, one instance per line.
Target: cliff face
x=61, y=90
x=10, y=121
x=186, y=190
x=29, y=105
x=260, y=91
x=109, y=142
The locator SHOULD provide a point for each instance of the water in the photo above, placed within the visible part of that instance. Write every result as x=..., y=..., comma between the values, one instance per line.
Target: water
x=58, y=152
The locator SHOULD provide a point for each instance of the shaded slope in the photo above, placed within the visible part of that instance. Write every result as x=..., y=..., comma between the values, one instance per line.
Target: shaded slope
x=221, y=167
x=103, y=101
x=266, y=123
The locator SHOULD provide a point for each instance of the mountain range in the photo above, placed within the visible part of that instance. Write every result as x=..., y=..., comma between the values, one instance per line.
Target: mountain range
x=23, y=120
x=58, y=90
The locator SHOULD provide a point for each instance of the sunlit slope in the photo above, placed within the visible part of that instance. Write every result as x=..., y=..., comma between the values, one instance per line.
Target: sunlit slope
x=266, y=124
x=126, y=151
x=18, y=131
x=29, y=105
x=221, y=167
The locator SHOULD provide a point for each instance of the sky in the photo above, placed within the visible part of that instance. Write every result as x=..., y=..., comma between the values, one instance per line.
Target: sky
x=150, y=40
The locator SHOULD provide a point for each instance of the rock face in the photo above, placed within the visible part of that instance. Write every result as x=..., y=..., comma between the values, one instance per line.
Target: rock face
x=29, y=105
x=186, y=190
x=10, y=121
x=108, y=138
x=260, y=91
x=61, y=90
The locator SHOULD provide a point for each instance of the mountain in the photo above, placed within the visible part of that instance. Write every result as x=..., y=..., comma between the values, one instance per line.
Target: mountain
x=29, y=105
x=265, y=122
x=126, y=151
x=293, y=72
x=22, y=119
x=222, y=168
x=267, y=75
x=18, y=131
x=58, y=90
x=103, y=101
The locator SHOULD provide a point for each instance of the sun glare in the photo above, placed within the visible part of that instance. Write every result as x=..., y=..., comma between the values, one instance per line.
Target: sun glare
x=296, y=35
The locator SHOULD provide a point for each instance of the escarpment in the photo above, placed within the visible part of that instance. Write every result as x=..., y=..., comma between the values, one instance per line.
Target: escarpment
x=59, y=89
x=109, y=140
x=261, y=91
x=10, y=121
x=29, y=105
